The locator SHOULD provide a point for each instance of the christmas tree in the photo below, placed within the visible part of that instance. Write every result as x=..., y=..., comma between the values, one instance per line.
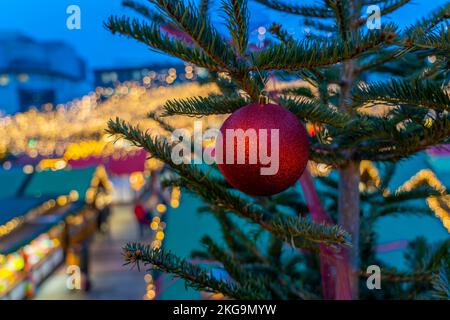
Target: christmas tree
x=362, y=129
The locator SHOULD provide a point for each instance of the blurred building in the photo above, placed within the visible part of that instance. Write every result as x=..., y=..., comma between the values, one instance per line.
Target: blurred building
x=148, y=75
x=34, y=73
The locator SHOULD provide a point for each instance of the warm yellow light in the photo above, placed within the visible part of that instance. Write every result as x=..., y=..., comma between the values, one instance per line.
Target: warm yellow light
x=151, y=294
x=90, y=194
x=137, y=180
x=28, y=169
x=147, y=80
x=159, y=235
x=156, y=244
x=71, y=130
x=73, y=195
x=61, y=201
x=23, y=77
x=447, y=223
x=154, y=225
x=161, y=208
x=172, y=71
x=148, y=278
x=174, y=203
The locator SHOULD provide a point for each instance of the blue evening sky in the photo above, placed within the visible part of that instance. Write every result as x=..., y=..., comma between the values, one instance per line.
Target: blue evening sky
x=46, y=20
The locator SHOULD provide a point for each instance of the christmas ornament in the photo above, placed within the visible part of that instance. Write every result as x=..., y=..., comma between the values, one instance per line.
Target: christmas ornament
x=263, y=149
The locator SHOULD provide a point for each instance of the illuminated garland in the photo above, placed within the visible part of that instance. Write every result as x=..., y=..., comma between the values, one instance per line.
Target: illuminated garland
x=371, y=180
x=93, y=196
x=77, y=129
x=440, y=205
x=16, y=222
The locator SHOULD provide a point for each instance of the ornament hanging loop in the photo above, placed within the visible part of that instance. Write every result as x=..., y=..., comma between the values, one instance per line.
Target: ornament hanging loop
x=263, y=98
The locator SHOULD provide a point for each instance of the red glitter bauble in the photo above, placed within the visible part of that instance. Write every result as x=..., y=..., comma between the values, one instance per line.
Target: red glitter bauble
x=260, y=124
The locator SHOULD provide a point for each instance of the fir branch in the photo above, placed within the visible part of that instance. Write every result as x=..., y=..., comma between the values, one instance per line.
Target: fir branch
x=144, y=11
x=422, y=93
x=392, y=5
x=152, y=36
x=379, y=60
x=187, y=18
x=237, y=23
x=386, y=8
x=264, y=276
x=394, y=275
x=298, y=91
x=195, y=276
x=202, y=106
x=318, y=25
x=421, y=255
x=441, y=283
x=406, y=142
x=397, y=210
x=303, y=10
x=203, y=7
x=298, y=231
x=437, y=16
x=278, y=32
x=312, y=110
x=239, y=273
x=415, y=194
x=329, y=154
x=362, y=129
x=436, y=39
x=341, y=14
x=234, y=268
x=313, y=54
x=163, y=124
x=237, y=239
x=289, y=228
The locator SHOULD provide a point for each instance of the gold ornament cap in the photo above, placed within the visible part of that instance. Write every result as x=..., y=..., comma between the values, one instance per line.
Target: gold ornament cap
x=263, y=98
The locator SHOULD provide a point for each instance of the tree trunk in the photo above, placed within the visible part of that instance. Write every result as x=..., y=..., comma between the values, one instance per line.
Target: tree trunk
x=349, y=178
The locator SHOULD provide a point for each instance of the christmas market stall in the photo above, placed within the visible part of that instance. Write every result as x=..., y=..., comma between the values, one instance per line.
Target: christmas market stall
x=34, y=246
x=49, y=219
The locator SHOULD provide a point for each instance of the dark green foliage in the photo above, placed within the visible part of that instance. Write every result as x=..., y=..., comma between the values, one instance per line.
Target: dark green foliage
x=297, y=231
x=295, y=55
x=426, y=94
x=441, y=283
x=151, y=35
x=236, y=11
x=415, y=115
x=195, y=276
x=306, y=11
x=200, y=106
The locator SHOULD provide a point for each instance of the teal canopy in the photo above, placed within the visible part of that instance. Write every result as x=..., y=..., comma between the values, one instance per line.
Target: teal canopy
x=11, y=182
x=17, y=207
x=61, y=182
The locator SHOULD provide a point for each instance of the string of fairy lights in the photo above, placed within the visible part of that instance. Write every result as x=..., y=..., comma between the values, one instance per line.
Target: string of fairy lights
x=157, y=225
x=54, y=131
x=440, y=205
x=93, y=196
x=76, y=130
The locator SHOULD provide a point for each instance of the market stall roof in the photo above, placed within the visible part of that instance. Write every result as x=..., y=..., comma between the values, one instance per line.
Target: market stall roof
x=133, y=161
x=31, y=230
x=17, y=207
x=11, y=182
x=61, y=182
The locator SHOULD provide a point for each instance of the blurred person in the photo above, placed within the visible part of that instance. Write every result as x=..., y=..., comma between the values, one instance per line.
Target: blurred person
x=152, y=194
